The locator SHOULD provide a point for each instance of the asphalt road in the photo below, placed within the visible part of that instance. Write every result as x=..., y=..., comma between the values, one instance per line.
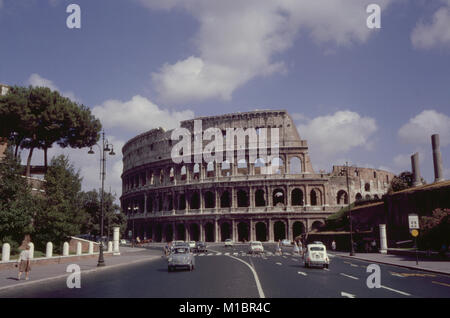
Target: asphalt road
x=230, y=272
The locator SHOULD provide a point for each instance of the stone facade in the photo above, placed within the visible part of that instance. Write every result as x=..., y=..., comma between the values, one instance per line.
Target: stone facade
x=212, y=202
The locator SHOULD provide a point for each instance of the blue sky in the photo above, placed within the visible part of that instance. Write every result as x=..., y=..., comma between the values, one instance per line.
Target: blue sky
x=370, y=97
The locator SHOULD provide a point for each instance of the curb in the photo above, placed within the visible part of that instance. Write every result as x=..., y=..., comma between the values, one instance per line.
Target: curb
x=87, y=271
x=398, y=265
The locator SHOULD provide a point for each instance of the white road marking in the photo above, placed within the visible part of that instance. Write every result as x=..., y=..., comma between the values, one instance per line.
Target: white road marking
x=210, y=254
x=348, y=295
x=227, y=254
x=396, y=291
x=326, y=269
x=349, y=276
x=218, y=254
x=295, y=260
x=235, y=254
x=278, y=263
x=354, y=265
x=331, y=255
x=255, y=275
x=302, y=273
x=284, y=256
x=397, y=274
x=202, y=254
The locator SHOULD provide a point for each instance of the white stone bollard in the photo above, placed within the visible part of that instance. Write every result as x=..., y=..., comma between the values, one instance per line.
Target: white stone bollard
x=79, y=250
x=383, y=239
x=6, y=251
x=116, y=237
x=31, y=245
x=91, y=248
x=110, y=247
x=49, y=250
x=66, y=249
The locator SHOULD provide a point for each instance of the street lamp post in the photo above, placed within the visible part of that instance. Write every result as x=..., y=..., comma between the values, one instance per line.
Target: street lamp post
x=352, y=248
x=103, y=148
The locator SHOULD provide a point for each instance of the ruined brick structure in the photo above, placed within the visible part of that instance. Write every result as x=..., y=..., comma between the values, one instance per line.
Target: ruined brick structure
x=212, y=202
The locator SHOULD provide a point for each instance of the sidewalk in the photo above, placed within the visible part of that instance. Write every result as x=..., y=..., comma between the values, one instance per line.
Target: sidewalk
x=440, y=267
x=40, y=273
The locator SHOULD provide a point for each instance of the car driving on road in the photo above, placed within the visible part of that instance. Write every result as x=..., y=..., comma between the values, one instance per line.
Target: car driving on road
x=200, y=247
x=316, y=255
x=286, y=242
x=181, y=257
x=256, y=247
x=228, y=243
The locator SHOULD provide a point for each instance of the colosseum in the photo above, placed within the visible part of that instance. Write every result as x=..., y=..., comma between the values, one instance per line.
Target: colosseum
x=236, y=199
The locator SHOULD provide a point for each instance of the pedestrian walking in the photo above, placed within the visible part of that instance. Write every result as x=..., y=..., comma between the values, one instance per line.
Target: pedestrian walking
x=296, y=250
x=279, y=247
x=300, y=247
x=24, y=263
x=333, y=245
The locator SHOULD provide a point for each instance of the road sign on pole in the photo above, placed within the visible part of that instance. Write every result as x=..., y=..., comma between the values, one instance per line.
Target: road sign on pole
x=413, y=220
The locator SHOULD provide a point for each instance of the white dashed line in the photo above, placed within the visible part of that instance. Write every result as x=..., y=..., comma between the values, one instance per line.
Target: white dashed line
x=349, y=276
x=302, y=273
x=396, y=291
x=278, y=263
x=348, y=295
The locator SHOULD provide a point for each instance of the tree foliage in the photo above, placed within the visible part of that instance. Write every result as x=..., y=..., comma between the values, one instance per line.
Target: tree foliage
x=435, y=229
x=112, y=214
x=402, y=182
x=37, y=117
x=61, y=215
x=17, y=205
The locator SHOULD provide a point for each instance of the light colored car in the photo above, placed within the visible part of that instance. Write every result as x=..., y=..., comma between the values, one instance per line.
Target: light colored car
x=123, y=242
x=228, y=243
x=175, y=243
x=286, y=242
x=181, y=257
x=316, y=255
x=256, y=247
x=192, y=245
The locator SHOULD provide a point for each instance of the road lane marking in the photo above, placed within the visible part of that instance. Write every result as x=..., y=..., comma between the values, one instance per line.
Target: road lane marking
x=395, y=290
x=255, y=275
x=326, y=269
x=348, y=295
x=294, y=259
x=284, y=256
x=227, y=254
x=278, y=263
x=396, y=274
x=354, y=265
x=441, y=283
x=218, y=254
x=202, y=254
x=235, y=254
x=302, y=273
x=349, y=276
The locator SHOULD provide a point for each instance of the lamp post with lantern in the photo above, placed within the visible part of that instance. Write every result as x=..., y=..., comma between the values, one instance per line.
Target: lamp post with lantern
x=104, y=147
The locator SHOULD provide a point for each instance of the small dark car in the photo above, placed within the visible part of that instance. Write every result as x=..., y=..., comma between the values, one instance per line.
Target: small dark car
x=200, y=247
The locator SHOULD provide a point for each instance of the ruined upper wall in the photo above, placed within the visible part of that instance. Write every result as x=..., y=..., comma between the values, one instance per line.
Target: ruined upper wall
x=3, y=89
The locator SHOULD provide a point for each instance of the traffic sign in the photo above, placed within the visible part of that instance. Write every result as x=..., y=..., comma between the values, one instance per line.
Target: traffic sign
x=413, y=220
x=415, y=233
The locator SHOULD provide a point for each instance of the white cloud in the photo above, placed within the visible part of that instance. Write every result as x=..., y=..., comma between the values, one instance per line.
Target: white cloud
x=238, y=41
x=419, y=129
x=138, y=114
x=37, y=80
x=338, y=133
x=435, y=33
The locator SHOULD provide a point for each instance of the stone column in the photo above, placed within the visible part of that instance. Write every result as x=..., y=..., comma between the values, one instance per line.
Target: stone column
x=202, y=232
x=79, y=250
x=252, y=169
x=6, y=251
x=187, y=232
x=49, y=249
x=416, y=169
x=383, y=239
x=145, y=203
x=217, y=170
x=110, y=247
x=116, y=237
x=216, y=231
x=437, y=158
x=251, y=191
x=270, y=230
x=234, y=235
x=202, y=200
x=233, y=198
x=252, y=230
x=91, y=248
x=217, y=196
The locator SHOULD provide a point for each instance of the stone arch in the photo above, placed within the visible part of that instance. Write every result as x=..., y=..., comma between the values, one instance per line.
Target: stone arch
x=182, y=202
x=196, y=172
x=158, y=232
x=195, y=201
x=368, y=197
x=296, y=197
x=298, y=228
x=242, y=198
x=181, y=232
x=358, y=197
x=183, y=173
x=261, y=231
x=342, y=197
x=161, y=176
x=316, y=197
x=242, y=167
x=278, y=197
x=210, y=200
x=243, y=231
x=171, y=175
x=367, y=186
x=260, y=166
x=209, y=232
x=277, y=165
x=279, y=230
x=194, y=232
x=225, y=231
x=210, y=170
x=259, y=198
x=225, y=168
x=225, y=200
x=295, y=165
x=169, y=232
x=376, y=197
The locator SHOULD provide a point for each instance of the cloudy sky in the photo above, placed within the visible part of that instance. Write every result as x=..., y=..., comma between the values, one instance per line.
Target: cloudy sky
x=368, y=96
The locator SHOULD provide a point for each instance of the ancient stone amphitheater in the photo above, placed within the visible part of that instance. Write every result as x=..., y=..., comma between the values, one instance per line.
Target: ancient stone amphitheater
x=211, y=202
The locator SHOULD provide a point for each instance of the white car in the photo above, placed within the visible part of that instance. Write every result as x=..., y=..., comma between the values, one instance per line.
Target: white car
x=228, y=243
x=286, y=242
x=256, y=247
x=316, y=255
x=192, y=245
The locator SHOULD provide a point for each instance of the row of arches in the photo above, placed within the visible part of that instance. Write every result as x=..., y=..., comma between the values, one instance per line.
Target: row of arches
x=206, y=232
x=168, y=175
